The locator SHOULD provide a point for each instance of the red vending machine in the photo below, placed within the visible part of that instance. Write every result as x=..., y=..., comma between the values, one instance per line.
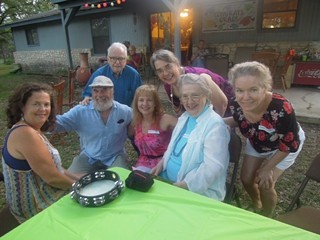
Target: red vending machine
x=307, y=73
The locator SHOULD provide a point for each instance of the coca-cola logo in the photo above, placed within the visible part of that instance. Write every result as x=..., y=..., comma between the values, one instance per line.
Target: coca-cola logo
x=309, y=73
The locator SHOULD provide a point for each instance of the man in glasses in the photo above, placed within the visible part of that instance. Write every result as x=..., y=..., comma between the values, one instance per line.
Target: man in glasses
x=125, y=78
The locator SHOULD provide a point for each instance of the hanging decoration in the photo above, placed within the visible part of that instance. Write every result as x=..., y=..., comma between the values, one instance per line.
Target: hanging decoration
x=104, y=4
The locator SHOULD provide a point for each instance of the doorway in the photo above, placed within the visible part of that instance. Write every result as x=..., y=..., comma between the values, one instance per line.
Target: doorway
x=162, y=32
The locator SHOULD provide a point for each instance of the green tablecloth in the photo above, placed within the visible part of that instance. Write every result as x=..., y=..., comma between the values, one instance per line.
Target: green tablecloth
x=165, y=212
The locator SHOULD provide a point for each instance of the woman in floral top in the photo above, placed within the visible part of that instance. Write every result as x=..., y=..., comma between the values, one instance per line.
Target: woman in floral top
x=274, y=137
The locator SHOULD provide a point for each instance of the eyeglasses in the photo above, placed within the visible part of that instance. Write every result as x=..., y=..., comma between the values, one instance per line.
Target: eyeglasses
x=120, y=59
x=166, y=68
x=193, y=97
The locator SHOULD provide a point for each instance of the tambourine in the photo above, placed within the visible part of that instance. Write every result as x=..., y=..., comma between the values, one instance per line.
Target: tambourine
x=97, y=188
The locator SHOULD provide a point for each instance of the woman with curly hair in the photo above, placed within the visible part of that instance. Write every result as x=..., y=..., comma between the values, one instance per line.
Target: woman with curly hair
x=33, y=175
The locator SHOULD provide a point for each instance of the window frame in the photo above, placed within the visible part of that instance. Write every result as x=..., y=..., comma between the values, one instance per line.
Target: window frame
x=96, y=39
x=281, y=29
x=32, y=37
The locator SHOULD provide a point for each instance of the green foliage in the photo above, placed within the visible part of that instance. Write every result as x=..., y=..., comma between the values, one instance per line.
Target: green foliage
x=12, y=10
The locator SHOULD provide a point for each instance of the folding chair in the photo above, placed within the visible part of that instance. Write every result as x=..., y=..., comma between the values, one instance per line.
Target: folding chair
x=307, y=218
x=59, y=90
x=7, y=220
x=235, y=147
x=284, y=69
x=143, y=64
x=270, y=59
x=312, y=173
x=218, y=63
x=71, y=89
x=243, y=54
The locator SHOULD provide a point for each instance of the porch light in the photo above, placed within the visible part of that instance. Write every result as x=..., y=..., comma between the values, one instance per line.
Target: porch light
x=184, y=13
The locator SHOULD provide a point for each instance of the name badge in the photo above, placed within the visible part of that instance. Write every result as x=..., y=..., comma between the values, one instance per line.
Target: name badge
x=153, y=131
x=268, y=130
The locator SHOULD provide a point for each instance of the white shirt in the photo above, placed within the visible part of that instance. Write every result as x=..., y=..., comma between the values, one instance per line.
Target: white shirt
x=205, y=158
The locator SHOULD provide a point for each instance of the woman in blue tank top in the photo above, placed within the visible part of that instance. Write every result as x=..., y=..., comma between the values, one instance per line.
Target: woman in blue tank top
x=33, y=175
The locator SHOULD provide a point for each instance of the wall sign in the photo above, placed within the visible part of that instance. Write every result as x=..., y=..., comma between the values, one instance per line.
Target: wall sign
x=231, y=16
x=307, y=73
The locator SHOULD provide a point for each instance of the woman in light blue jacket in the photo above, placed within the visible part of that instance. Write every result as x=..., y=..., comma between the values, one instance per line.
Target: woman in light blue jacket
x=197, y=157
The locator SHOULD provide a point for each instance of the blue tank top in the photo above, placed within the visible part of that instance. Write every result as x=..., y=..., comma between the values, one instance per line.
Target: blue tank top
x=26, y=192
x=9, y=159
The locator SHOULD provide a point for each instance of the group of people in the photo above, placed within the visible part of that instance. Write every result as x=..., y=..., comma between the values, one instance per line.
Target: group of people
x=189, y=148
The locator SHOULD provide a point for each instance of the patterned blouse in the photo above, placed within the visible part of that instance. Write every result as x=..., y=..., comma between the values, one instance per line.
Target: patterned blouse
x=151, y=145
x=26, y=193
x=277, y=129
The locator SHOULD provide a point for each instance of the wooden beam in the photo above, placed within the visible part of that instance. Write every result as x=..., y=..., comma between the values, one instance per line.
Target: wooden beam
x=66, y=17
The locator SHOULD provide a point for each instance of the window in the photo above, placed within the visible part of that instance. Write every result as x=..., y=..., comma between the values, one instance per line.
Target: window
x=279, y=14
x=32, y=37
x=100, y=35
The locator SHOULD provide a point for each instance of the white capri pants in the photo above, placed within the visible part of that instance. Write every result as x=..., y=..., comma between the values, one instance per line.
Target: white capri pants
x=286, y=162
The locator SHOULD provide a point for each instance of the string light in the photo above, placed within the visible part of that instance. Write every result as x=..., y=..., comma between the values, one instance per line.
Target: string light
x=104, y=4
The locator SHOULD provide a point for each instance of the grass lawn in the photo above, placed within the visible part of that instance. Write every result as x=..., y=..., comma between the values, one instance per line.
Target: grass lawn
x=6, y=69
x=286, y=187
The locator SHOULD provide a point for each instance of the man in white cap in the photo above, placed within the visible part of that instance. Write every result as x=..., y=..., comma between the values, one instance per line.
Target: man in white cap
x=102, y=126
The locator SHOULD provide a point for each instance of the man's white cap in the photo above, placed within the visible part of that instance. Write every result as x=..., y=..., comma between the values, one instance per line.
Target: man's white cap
x=101, y=81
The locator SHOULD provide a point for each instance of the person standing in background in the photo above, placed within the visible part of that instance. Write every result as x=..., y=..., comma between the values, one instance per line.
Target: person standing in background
x=134, y=58
x=125, y=78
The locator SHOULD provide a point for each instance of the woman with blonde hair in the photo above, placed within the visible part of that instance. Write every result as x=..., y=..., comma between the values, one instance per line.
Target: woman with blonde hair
x=274, y=137
x=151, y=127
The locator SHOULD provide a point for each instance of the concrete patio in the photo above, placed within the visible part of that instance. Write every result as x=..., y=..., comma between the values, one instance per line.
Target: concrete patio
x=305, y=100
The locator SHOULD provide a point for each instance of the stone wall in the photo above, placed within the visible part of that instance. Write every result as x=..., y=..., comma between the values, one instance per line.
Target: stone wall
x=53, y=62
x=282, y=47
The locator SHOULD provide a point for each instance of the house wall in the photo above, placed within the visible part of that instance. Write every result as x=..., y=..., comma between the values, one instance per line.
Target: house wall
x=50, y=56
x=130, y=27
x=50, y=37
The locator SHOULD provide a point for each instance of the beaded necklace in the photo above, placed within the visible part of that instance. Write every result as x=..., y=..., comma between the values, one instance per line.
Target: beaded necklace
x=176, y=109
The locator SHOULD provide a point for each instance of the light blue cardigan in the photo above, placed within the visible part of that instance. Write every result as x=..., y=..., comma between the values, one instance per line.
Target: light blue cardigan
x=205, y=158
